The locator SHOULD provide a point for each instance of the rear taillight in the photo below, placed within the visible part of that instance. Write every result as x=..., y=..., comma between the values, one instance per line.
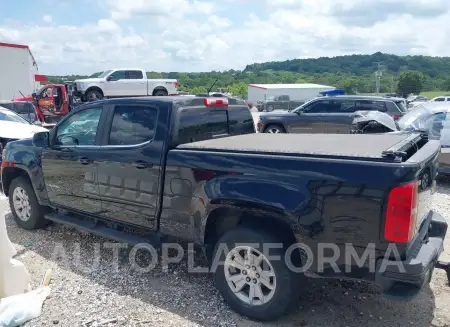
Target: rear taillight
x=396, y=117
x=215, y=102
x=176, y=83
x=401, y=213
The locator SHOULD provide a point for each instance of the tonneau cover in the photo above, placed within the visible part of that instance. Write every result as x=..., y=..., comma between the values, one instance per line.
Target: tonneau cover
x=333, y=145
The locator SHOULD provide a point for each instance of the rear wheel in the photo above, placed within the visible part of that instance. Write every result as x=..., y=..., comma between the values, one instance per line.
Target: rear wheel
x=251, y=284
x=270, y=108
x=26, y=210
x=274, y=129
x=160, y=93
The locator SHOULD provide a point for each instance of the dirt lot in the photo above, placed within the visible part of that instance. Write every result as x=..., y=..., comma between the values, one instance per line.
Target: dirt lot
x=81, y=297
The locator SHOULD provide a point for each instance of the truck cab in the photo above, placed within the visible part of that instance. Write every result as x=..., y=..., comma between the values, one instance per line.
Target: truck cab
x=51, y=101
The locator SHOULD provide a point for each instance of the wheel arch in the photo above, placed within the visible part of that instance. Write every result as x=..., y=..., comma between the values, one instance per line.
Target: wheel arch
x=159, y=88
x=94, y=88
x=11, y=173
x=223, y=219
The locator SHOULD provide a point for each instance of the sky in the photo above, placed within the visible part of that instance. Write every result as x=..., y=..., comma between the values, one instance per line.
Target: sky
x=87, y=36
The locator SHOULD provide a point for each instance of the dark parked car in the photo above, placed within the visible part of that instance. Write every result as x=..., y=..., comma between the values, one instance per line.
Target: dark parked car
x=140, y=170
x=25, y=109
x=279, y=102
x=330, y=114
x=430, y=118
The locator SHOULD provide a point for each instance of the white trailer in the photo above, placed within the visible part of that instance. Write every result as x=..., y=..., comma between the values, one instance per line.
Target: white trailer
x=296, y=92
x=18, y=71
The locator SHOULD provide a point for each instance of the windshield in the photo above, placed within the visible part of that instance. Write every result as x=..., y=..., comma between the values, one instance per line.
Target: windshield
x=8, y=115
x=414, y=119
x=104, y=74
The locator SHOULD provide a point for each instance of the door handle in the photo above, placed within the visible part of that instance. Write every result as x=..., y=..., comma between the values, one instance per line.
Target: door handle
x=142, y=164
x=84, y=161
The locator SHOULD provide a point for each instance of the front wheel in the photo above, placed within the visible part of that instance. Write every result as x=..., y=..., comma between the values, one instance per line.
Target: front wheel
x=94, y=95
x=274, y=129
x=26, y=210
x=251, y=284
x=270, y=108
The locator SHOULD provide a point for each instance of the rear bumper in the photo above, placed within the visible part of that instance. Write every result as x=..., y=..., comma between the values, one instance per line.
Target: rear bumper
x=405, y=279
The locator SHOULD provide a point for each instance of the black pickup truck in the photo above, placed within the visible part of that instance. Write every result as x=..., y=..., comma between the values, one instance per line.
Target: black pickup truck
x=269, y=209
x=279, y=102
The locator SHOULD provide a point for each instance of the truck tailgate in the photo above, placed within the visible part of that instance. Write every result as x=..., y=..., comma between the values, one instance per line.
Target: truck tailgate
x=427, y=159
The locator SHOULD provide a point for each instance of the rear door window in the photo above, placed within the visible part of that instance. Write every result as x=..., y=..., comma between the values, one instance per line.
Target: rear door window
x=342, y=106
x=366, y=105
x=198, y=124
x=133, y=125
x=134, y=74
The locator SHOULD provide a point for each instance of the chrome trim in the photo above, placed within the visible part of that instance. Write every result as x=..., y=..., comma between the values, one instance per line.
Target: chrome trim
x=105, y=146
x=127, y=146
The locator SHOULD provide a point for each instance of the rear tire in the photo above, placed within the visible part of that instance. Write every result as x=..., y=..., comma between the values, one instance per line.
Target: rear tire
x=160, y=93
x=270, y=108
x=26, y=210
x=274, y=129
x=235, y=284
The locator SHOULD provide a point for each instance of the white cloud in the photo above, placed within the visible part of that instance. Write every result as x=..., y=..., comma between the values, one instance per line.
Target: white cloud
x=197, y=35
x=47, y=18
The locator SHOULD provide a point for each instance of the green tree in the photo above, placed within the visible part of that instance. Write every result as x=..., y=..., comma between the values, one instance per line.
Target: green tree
x=446, y=84
x=238, y=89
x=351, y=85
x=410, y=82
x=198, y=89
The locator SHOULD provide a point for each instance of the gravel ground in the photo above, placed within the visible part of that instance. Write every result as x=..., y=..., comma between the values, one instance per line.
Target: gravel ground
x=91, y=297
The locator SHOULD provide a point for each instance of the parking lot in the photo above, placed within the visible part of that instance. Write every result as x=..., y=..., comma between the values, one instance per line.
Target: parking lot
x=105, y=297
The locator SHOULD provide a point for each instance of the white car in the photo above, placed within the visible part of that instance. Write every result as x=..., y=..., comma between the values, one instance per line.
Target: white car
x=441, y=99
x=128, y=82
x=14, y=127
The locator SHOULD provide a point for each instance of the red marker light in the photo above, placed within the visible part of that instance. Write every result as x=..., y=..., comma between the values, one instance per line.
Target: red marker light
x=216, y=102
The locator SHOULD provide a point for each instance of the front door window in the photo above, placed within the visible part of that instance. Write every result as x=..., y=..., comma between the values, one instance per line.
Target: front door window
x=79, y=129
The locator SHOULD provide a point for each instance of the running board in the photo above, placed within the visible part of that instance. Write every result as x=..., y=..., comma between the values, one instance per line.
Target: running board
x=102, y=230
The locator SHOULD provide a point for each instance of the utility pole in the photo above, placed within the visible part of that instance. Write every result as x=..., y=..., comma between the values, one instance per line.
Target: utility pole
x=378, y=75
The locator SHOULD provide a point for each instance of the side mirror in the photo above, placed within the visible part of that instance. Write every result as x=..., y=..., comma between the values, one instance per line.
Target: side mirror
x=110, y=79
x=41, y=139
x=34, y=95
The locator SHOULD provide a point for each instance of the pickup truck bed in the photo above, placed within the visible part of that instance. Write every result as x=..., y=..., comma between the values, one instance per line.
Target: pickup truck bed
x=348, y=146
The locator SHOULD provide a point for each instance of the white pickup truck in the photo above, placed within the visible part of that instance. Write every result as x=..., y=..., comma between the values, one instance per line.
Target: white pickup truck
x=127, y=82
